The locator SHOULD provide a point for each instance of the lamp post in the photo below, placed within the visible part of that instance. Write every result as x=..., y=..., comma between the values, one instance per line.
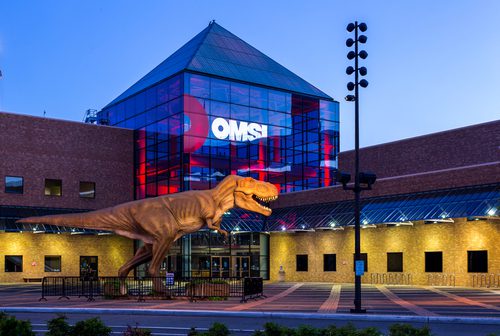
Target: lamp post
x=362, y=181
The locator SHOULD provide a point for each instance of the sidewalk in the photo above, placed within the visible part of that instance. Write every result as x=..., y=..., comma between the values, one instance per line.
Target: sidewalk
x=320, y=299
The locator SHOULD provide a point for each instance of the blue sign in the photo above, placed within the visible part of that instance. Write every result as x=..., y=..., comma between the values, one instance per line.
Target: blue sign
x=360, y=267
x=170, y=279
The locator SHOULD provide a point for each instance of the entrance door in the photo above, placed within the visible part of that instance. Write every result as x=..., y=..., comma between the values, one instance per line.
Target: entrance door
x=89, y=266
x=242, y=266
x=220, y=267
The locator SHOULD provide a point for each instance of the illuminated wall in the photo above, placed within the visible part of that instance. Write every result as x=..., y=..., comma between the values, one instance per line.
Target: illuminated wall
x=453, y=239
x=112, y=252
x=193, y=130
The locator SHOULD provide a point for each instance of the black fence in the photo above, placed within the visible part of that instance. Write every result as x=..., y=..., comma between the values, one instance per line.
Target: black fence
x=152, y=288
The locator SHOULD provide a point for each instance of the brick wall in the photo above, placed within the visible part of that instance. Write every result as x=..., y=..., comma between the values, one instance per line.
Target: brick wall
x=38, y=148
x=453, y=239
x=455, y=158
x=112, y=252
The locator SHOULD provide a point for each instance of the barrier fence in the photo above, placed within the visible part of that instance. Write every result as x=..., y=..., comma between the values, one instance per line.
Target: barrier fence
x=485, y=280
x=391, y=278
x=151, y=287
x=441, y=279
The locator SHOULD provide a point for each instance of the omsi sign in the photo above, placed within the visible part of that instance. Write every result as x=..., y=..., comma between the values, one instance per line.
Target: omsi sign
x=238, y=130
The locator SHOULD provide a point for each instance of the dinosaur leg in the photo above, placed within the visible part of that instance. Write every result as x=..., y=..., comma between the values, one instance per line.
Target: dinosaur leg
x=216, y=226
x=143, y=254
x=160, y=249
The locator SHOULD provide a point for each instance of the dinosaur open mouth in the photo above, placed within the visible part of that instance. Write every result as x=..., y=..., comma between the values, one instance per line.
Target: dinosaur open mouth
x=263, y=202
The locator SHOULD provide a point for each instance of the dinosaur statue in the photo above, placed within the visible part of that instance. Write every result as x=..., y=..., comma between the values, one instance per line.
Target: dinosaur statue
x=160, y=221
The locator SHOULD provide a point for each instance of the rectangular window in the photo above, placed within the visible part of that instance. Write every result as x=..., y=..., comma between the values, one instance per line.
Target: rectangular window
x=13, y=263
x=53, y=187
x=434, y=261
x=477, y=261
x=394, y=261
x=14, y=184
x=364, y=257
x=52, y=263
x=87, y=189
x=329, y=262
x=302, y=263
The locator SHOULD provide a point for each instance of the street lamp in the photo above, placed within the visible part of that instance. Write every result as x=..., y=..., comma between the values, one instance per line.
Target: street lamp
x=362, y=180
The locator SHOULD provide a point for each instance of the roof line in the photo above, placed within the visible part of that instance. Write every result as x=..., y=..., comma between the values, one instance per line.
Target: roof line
x=389, y=196
x=210, y=26
x=426, y=135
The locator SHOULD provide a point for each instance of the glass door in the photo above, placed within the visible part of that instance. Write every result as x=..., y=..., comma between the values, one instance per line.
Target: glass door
x=220, y=267
x=89, y=266
x=242, y=266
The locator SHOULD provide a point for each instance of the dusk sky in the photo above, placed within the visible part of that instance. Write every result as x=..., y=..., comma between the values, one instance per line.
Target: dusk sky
x=432, y=65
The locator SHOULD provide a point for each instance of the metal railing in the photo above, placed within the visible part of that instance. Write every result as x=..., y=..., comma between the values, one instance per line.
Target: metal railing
x=485, y=280
x=150, y=287
x=441, y=279
x=391, y=278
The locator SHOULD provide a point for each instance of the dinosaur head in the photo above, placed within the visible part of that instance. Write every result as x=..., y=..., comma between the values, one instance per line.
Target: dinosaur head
x=254, y=195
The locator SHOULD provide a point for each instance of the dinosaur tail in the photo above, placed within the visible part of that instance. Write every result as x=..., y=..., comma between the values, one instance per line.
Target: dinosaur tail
x=97, y=220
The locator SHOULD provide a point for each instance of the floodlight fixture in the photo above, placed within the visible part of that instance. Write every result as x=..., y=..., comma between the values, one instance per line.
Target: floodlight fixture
x=350, y=98
x=342, y=177
x=367, y=178
x=362, y=38
x=351, y=54
x=363, y=54
x=363, y=83
x=363, y=71
x=350, y=86
x=362, y=26
x=349, y=70
x=349, y=42
x=350, y=27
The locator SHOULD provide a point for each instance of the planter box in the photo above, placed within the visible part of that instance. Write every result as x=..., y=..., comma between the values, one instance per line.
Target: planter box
x=208, y=290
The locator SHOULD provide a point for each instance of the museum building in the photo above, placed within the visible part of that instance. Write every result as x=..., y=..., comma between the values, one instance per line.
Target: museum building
x=216, y=107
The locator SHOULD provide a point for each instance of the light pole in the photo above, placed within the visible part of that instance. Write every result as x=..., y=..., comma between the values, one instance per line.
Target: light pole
x=362, y=181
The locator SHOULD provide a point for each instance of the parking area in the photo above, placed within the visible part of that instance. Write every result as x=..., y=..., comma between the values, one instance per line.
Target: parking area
x=297, y=297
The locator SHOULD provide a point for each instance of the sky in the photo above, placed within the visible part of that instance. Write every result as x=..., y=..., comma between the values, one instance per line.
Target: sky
x=432, y=65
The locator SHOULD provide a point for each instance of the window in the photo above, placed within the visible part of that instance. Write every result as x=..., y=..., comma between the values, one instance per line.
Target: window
x=301, y=262
x=329, y=262
x=394, y=261
x=364, y=257
x=13, y=263
x=52, y=263
x=87, y=189
x=14, y=184
x=53, y=187
x=433, y=261
x=477, y=261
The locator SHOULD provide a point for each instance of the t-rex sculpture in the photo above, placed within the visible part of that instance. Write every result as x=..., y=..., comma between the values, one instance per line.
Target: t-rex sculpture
x=160, y=221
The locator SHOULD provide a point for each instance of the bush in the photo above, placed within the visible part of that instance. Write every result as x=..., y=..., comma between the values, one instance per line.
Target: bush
x=58, y=326
x=10, y=326
x=136, y=331
x=90, y=327
x=217, y=329
x=408, y=330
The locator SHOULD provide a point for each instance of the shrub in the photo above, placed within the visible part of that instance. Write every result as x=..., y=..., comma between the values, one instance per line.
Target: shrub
x=273, y=329
x=58, y=326
x=408, y=330
x=217, y=329
x=90, y=327
x=136, y=331
x=10, y=326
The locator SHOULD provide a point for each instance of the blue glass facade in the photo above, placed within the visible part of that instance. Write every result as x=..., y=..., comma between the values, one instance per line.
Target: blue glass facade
x=192, y=130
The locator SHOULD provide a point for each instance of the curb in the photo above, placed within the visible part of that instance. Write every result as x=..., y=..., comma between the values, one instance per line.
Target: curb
x=257, y=314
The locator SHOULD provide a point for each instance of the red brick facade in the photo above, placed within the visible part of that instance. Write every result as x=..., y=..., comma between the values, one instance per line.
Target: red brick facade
x=39, y=148
x=454, y=158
